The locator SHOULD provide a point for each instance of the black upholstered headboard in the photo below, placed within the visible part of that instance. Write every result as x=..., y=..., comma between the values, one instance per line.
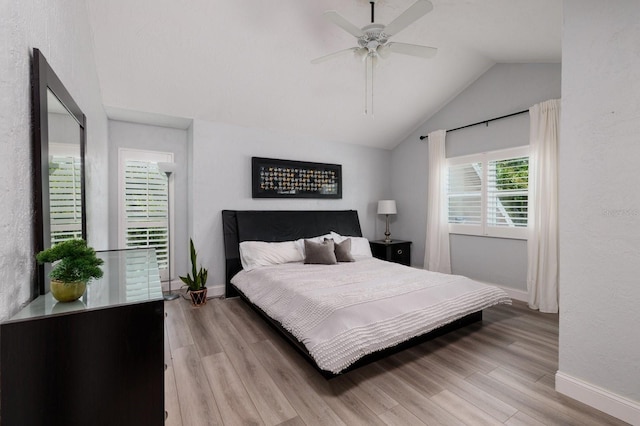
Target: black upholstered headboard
x=279, y=225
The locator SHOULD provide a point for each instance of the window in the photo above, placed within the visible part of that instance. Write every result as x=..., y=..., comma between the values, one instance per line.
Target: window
x=143, y=199
x=487, y=194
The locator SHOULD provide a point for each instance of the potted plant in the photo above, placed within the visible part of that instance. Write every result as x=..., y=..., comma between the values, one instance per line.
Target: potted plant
x=74, y=264
x=196, y=284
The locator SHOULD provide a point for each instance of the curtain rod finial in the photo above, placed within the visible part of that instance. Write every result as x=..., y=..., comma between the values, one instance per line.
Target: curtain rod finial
x=423, y=137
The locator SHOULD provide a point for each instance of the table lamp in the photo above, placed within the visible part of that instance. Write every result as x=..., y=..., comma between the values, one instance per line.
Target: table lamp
x=387, y=207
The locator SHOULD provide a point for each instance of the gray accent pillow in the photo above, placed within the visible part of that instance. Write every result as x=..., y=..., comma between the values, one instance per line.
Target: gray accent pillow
x=342, y=250
x=319, y=253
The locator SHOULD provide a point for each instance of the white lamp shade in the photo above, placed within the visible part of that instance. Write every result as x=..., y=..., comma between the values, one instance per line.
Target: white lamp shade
x=387, y=207
x=167, y=167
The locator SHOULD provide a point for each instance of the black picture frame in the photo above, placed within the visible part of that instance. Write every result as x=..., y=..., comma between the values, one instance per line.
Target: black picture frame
x=275, y=178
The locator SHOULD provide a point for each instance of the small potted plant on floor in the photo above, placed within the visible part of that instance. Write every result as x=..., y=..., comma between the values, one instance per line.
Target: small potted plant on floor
x=196, y=284
x=74, y=264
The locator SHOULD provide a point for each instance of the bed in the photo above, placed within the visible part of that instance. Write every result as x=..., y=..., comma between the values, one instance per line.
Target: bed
x=344, y=315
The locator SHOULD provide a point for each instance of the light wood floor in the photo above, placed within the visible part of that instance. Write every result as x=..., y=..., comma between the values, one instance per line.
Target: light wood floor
x=226, y=366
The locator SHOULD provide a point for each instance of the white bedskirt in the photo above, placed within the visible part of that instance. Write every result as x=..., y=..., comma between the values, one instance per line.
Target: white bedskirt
x=343, y=312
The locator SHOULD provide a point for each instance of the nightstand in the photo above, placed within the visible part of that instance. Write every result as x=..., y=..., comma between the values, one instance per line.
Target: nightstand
x=397, y=251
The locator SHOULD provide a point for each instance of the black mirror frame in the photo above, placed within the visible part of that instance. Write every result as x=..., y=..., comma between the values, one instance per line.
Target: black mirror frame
x=44, y=78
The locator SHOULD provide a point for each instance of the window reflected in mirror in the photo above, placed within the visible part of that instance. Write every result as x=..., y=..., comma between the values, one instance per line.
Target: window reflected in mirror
x=65, y=173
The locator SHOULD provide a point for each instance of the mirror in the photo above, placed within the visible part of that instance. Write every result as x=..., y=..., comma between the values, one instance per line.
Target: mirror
x=58, y=166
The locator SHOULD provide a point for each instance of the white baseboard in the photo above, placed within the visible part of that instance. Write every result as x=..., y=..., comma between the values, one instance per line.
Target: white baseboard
x=176, y=285
x=601, y=399
x=216, y=290
x=513, y=293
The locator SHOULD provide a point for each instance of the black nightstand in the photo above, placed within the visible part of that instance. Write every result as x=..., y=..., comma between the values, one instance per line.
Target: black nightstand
x=397, y=251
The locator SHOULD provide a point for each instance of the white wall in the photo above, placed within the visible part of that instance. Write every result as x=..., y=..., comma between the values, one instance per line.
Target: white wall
x=220, y=167
x=600, y=200
x=153, y=138
x=60, y=29
x=503, y=89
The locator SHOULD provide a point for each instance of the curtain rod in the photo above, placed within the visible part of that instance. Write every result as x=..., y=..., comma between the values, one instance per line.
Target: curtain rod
x=482, y=122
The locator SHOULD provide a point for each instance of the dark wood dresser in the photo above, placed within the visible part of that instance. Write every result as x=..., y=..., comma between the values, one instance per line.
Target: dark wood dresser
x=98, y=360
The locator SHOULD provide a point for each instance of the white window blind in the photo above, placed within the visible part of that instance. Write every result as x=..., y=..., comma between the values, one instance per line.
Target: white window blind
x=65, y=198
x=465, y=193
x=487, y=194
x=507, y=192
x=144, y=196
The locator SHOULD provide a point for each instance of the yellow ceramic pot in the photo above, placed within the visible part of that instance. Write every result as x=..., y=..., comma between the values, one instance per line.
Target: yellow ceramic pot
x=67, y=292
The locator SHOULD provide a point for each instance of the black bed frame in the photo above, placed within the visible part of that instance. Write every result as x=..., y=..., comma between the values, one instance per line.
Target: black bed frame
x=282, y=225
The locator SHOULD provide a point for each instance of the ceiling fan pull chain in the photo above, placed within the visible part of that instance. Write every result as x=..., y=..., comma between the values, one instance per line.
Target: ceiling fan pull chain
x=372, y=71
x=366, y=84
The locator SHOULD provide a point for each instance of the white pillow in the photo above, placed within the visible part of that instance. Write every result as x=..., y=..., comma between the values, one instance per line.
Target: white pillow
x=359, y=245
x=254, y=254
x=300, y=242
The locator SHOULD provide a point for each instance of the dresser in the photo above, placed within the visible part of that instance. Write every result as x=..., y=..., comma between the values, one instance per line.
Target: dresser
x=397, y=251
x=98, y=360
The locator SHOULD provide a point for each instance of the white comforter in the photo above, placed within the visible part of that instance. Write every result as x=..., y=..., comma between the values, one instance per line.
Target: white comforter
x=345, y=311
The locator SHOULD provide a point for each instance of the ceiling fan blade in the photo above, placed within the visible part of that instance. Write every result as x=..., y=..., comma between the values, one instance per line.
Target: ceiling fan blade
x=407, y=49
x=337, y=19
x=334, y=55
x=408, y=17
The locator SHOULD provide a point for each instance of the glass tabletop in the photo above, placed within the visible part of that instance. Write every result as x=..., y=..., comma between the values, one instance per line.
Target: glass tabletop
x=130, y=276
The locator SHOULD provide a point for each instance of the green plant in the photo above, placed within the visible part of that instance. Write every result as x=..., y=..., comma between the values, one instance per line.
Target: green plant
x=199, y=279
x=75, y=261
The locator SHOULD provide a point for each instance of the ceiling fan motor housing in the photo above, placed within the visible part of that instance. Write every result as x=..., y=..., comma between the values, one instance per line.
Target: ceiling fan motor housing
x=373, y=37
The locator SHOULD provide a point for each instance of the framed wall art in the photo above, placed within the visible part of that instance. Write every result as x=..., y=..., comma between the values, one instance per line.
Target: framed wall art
x=273, y=178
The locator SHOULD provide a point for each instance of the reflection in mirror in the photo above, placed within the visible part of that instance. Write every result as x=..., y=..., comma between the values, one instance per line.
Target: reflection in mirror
x=59, y=130
x=65, y=171
x=132, y=276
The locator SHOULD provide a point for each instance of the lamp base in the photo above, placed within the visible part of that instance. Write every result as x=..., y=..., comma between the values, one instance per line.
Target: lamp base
x=387, y=234
x=169, y=295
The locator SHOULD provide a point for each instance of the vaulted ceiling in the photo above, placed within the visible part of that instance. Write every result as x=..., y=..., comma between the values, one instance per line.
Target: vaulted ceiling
x=247, y=62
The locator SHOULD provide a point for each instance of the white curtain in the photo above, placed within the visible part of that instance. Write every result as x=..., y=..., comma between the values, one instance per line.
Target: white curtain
x=542, y=246
x=436, y=254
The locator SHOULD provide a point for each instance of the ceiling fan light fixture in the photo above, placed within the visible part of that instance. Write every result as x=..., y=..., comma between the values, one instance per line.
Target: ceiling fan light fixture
x=362, y=53
x=383, y=51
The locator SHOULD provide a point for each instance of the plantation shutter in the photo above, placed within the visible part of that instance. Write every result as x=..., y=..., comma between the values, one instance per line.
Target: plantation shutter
x=145, y=196
x=507, y=192
x=464, y=189
x=65, y=199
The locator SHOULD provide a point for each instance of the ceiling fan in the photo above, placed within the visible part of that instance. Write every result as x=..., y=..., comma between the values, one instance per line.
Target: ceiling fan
x=373, y=40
